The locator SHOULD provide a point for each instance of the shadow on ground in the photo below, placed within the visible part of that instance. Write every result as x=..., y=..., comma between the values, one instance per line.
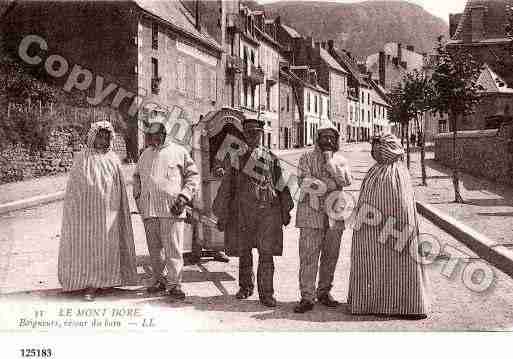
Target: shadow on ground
x=284, y=310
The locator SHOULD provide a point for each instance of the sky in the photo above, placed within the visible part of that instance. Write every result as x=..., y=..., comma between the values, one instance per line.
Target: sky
x=440, y=8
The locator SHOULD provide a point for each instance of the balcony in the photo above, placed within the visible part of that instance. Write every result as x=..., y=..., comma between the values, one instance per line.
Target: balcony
x=253, y=74
x=234, y=64
x=234, y=23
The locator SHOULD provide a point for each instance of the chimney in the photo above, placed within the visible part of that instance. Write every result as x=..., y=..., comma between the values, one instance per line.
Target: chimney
x=330, y=44
x=381, y=68
x=278, y=20
x=197, y=13
x=477, y=15
x=399, y=53
x=410, y=48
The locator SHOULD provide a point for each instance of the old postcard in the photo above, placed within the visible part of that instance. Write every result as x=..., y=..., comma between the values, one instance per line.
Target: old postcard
x=172, y=167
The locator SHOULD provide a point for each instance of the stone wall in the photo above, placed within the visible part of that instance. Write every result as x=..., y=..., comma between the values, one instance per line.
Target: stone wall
x=18, y=163
x=483, y=153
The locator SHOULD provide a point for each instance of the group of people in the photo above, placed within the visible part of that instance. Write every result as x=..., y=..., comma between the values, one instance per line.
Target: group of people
x=252, y=206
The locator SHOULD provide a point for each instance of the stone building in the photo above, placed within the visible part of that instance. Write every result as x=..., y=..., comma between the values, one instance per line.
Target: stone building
x=142, y=57
x=481, y=30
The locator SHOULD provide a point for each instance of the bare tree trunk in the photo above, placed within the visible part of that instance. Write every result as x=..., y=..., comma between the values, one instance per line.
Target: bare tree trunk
x=422, y=153
x=408, y=159
x=455, y=163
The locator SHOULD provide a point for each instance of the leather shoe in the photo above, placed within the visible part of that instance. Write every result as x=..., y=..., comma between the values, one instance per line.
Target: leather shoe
x=244, y=293
x=176, y=294
x=156, y=288
x=328, y=301
x=268, y=302
x=304, y=306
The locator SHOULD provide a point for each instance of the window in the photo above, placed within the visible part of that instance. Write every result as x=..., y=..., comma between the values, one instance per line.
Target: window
x=442, y=126
x=180, y=71
x=368, y=116
x=154, y=67
x=199, y=77
x=252, y=57
x=253, y=97
x=308, y=101
x=245, y=97
x=213, y=85
x=368, y=99
x=268, y=98
x=155, y=35
x=287, y=103
x=320, y=106
x=363, y=116
x=315, y=103
x=328, y=107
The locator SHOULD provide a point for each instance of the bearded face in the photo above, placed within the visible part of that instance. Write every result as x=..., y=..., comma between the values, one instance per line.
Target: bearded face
x=328, y=141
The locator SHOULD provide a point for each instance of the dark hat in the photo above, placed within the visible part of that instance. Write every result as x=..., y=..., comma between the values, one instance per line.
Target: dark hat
x=253, y=124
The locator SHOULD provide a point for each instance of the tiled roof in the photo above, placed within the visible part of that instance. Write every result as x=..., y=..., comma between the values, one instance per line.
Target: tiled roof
x=494, y=20
x=326, y=57
x=176, y=14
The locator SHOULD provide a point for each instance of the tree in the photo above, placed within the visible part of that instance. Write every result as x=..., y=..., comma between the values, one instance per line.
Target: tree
x=454, y=79
x=401, y=111
x=418, y=93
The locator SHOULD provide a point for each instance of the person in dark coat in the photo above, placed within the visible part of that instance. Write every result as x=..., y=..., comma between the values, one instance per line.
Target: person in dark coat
x=252, y=205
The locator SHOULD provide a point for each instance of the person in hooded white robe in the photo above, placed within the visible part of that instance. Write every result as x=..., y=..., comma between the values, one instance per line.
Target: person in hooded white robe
x=97, y=244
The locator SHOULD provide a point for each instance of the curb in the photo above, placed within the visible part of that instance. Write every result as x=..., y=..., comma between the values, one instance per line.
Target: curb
x=36, y=201
x=31, y=202
x=495, y=254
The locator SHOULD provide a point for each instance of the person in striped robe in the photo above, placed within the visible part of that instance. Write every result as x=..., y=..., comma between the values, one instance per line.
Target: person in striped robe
x=323, y=172
x=386, y=276
x=97, y=244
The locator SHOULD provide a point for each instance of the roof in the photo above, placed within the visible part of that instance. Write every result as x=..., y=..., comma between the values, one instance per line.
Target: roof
x=350, y=66
x=306, y=84
x=178, y=16
x=491, y=82
x=494, y=19
x=326, y=57
x=292, y=33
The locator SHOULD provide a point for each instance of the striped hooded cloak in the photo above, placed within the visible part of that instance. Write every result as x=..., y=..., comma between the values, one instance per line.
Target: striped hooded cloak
x=97, y=245
x=386, y=275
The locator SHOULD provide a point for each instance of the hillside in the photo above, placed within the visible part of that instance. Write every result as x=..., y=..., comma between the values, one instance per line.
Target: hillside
x=362, y=28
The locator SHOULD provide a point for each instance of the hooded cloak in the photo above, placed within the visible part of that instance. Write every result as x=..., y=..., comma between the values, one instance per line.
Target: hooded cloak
x=97, y=245
x=386, y=275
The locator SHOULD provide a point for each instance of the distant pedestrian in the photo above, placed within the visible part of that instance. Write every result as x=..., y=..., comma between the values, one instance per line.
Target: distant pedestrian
x=165, y=180
x=386, y=274
x=251, y=207
x=320, y=235
x=97, y=244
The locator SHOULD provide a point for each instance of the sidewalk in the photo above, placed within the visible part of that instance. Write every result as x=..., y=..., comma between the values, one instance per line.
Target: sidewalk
x=17, y=191
x=488, y=208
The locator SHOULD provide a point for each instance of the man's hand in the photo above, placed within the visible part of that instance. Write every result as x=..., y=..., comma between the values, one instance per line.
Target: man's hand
x=221, y=226
x=179, y=205
x=286, y=219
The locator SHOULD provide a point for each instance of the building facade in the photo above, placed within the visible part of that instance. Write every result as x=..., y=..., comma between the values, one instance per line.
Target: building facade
x=141, y=57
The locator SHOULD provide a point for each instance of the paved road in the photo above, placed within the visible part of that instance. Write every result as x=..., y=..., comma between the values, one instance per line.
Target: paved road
x=29, y=246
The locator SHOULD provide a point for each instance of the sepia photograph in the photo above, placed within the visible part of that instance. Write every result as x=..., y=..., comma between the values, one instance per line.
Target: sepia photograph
x=254, y=166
